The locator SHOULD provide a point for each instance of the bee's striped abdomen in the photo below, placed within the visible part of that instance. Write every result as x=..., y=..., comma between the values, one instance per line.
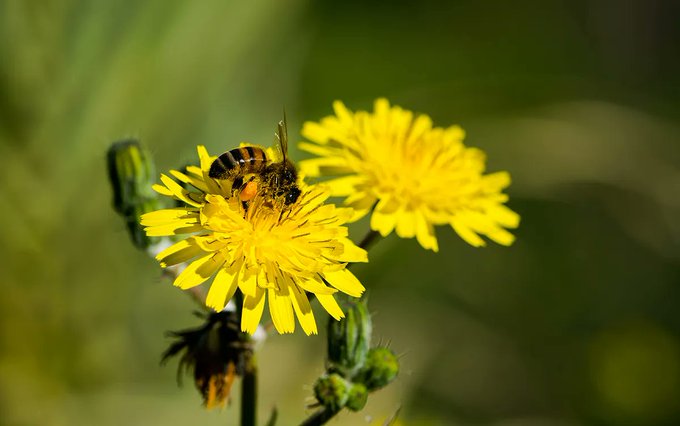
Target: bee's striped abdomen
x=238, y=162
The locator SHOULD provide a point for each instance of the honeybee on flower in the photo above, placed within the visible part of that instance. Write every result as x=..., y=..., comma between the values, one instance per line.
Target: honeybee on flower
x=249, y=170
x=266, y=245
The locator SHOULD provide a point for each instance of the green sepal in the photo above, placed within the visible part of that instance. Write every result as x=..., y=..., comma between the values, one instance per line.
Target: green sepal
x=349, y=339
x=381, y=368
x=131, y=173
x=332, y=391
x=358, y=395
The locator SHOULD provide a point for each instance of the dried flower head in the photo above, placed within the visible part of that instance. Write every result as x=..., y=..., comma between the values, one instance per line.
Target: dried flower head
x=216, y=352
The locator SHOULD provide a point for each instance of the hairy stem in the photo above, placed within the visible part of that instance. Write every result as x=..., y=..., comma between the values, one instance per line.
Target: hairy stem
x=320, y=417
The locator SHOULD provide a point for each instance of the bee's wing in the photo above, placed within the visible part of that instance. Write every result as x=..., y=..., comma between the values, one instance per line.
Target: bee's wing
x=282, y=136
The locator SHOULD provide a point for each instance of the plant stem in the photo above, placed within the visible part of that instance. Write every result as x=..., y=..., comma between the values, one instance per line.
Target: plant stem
x=249, y=393
x=320, y=417
x=249, y=380
x=369, y=239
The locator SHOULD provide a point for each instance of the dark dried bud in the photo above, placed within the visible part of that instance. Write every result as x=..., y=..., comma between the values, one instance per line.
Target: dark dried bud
x=217, y=352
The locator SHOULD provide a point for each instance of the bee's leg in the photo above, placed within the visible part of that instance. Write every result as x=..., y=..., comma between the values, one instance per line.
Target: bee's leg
x=237, y=184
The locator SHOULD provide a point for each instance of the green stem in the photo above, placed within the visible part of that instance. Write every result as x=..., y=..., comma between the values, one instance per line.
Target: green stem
x=369, y=239
x=249, y=393
x=249, y=380
x=320, y=417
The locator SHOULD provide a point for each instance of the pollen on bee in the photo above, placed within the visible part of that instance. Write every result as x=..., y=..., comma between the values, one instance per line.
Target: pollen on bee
x=249, y=191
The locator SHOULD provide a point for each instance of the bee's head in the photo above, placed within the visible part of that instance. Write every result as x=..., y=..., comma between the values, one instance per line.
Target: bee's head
x=287, y=182
x=292, y=195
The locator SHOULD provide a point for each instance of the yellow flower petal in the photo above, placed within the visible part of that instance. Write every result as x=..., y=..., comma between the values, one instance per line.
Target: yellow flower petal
x=199, y=271
x=496, y=181
x=504, y=216
x=483, y=224
x=222, y=289
x=345, y=281
x=383, y=223
x=315, y=285
x=467, y=234
x=169, y=216
x=330, y=305
x=248, y=283
x=252, y=311
x=281, y=311
x=501, y=236
x=422, y=124
x=195, y=172
x=341, y=187
x=352, y=253
x=179, y=192
x=196, y=183
x=179, y=252
x=425, y=234
x=315, y=132
x=406, y=224
x=303, y=310
x=320, y=150
x=205, y=158
x=209, y=243
x=343, y=113
x=161, y=190
x=166, y=230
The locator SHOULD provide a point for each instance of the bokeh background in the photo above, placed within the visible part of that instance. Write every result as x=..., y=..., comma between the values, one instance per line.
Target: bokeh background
x=578, y=323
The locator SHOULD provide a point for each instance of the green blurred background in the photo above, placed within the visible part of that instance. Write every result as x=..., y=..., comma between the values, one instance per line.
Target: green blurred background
x=578, y=323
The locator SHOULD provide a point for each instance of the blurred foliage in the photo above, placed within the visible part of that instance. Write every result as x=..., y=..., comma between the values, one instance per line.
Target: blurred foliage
x=577, y=323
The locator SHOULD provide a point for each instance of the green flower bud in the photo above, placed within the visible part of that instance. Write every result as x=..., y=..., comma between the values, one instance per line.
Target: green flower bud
x=131, y=173
x=332, y=391
x=358, y=395
x=349, y=339
x=381, y=368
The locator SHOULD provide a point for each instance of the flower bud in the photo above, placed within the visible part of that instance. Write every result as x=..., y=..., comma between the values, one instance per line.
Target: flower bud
x=358, y=395
x=332, y=391
x=349, y=339
x=131, y=173
x=381, y=368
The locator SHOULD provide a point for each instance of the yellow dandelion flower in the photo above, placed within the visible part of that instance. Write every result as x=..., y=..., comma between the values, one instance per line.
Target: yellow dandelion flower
x=410, y=174
x=262, y=250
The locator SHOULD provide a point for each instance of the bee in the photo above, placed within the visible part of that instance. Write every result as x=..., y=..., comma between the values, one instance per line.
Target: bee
x=273, y=179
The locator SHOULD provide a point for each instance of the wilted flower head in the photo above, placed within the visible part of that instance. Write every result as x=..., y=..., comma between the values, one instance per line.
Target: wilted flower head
x=281, y=251
x=216, y=352
x=410, y=174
